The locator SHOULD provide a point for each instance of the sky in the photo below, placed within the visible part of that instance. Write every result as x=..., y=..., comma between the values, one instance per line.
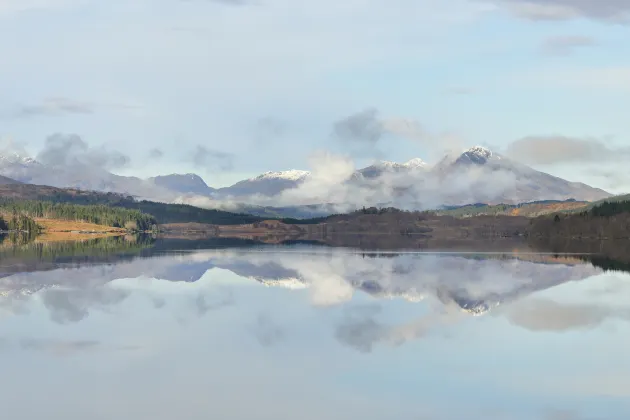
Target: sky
x=232, y=88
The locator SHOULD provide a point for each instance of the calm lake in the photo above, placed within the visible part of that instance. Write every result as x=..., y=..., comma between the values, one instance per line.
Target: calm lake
x=227, y=330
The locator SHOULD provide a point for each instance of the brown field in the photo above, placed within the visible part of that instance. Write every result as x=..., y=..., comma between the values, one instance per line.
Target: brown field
x=54, y=230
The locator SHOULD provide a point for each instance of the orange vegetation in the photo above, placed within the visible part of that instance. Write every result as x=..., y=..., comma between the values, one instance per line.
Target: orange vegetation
x=54, y=230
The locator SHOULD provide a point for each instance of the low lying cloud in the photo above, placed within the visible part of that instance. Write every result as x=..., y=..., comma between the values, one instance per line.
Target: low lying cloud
x=71, y=150
x=613, y=11
x=332, y=181
x=565, y=45
x=560, y=149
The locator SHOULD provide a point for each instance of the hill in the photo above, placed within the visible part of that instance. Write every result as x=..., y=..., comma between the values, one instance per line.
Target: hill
x=533, y=209
x=163, y=213
x=6, y=180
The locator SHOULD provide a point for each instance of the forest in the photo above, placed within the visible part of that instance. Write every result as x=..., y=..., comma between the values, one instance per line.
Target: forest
x=607, y=220
x=610, y=208
x=19, y=215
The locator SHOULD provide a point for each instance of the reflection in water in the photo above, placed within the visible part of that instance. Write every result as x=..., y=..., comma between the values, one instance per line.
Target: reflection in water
x=217, y=331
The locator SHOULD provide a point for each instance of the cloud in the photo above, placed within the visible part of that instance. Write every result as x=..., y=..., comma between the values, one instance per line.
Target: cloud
x=561, y=149
x=366, y=129
x=212, y=160
x=547, y=315
x=565, y=45
x=270, y=127
x=69, y=149
x=54, y=107
x=362, y=127
x=615, y=11
x=333, y=180
x=405, y=127
x=156, y=153
x=59, y=347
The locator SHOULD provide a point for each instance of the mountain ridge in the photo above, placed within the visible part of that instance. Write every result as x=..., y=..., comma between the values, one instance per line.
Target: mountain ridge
x=476, y=175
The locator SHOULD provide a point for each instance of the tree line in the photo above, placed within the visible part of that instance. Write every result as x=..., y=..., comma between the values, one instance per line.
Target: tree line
x=19, y=215
x=610, y=208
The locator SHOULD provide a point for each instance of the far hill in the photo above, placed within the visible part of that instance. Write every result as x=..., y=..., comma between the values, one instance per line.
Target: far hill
x=533, y=209
x=6, y=180
x=164, y=213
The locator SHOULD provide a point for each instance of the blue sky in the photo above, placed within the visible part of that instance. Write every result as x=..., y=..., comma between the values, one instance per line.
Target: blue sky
x=260, y=84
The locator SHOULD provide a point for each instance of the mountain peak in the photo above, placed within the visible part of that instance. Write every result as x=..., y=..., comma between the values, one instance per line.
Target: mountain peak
x=292, y=175
x=15, y=157
x=477, y=155
x=415, y=163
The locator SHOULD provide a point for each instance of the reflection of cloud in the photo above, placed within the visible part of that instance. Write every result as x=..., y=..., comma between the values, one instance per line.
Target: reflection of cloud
x=332, y=277
x=547, y=315
x=362, y=331
x=267, y=332
x=204, y=304
x=72, y=305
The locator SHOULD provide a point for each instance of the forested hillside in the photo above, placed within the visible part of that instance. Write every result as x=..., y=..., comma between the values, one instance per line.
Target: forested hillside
x=607, y=220
x=164, y=213
x=19, y=214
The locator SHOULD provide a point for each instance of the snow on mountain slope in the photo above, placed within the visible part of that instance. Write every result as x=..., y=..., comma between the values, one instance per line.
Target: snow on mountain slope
x=476, y=175
x=384, y=167
x=266, y=184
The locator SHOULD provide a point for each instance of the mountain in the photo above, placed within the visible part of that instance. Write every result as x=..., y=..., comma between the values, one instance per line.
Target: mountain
x=525, y=184
x=7, y=181
x=28, y=170
x=378, y=169
x=183, y=183
x=477, y=175
x=267, y=184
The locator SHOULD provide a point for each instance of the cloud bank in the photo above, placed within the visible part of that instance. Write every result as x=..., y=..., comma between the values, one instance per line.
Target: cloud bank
x=68, y=150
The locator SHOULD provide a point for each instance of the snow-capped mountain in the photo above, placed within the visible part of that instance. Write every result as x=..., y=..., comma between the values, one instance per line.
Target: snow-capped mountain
x=267, y=184
x=378, y=169
x=476, y=175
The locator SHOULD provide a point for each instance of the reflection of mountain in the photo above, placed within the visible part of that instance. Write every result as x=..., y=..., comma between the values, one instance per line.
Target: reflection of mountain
x=473, y=282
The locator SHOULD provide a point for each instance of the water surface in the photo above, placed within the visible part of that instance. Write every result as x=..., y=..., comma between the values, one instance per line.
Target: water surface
x=303, y=332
